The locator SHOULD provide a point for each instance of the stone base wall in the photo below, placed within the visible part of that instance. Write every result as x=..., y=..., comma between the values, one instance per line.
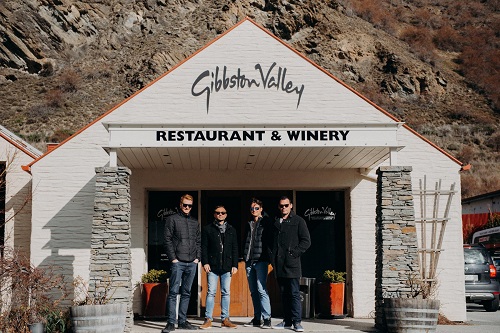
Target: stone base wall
x=110, y=258
x=396, y=237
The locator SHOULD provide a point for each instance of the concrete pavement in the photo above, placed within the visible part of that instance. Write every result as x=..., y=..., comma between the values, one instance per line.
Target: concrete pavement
x=316, y=325
x=310, y=325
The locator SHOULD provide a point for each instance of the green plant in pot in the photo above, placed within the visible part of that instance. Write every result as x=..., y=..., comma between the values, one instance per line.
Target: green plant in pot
x=154, y=293
x=331, y=294
x=334, y=277
x=155, y=276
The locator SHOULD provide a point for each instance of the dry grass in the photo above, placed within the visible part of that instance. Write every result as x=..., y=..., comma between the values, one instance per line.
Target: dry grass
x=469, y=27
x=442, y=320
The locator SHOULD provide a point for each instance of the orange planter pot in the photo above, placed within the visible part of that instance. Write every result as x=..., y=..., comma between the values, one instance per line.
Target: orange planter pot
x=154, y=299
x=331, y=299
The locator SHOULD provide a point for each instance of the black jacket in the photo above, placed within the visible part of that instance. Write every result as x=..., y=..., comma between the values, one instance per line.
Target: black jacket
x=219, y=257
x=262, y=239
x=182, y=238
x=291, y=240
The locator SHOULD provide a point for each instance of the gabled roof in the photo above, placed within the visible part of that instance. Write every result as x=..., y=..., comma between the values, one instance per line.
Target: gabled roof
x=19, y=143
x=27, y=168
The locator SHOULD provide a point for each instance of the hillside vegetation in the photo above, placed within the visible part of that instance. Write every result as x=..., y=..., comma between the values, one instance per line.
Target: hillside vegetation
x=433, y=64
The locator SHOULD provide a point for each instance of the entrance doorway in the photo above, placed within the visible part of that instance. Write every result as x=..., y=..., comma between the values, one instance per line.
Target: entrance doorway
x=237, y=204
x=161, y=204
x=324, y=212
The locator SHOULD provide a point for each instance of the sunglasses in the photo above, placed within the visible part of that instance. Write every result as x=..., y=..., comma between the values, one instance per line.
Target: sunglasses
x=254, y=208
x=284, y=206
x=187, y=205
x=220, y=213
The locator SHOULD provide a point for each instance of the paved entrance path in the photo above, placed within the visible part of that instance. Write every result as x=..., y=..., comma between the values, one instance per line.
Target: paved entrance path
x=312, y=326
x=316, y=325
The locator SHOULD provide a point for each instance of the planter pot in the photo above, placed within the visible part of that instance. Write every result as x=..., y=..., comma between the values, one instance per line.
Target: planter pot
x=154, y=299
x=410, y=315
x=331, y=299
x=107, y=318
x=37, y=328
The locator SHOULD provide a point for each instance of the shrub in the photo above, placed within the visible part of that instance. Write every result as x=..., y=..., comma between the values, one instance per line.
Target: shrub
x=420, y=40
x=471, y=185
x=32, y=293
x=333, y=277
x=57, y=321
x=467, y=154
x=60, y=135
x=35, y=137
x=154, y=276
x=447, y=39
x=494, y=141
x=54, y=98
x=69, y=81
x=38, y=113
x=99, y=293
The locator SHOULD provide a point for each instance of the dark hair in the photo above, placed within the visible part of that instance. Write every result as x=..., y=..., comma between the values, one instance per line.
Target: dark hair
x=219, y=206
x=256, y=201
x=284, y=197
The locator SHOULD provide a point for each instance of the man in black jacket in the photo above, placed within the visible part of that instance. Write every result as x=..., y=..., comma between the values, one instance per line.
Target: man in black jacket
x=183, y=248
x=219, y=257
x=256, y=262
x=291, y=240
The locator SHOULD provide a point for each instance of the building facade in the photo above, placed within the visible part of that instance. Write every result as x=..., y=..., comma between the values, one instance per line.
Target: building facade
x=245, y=116
x=15, y=192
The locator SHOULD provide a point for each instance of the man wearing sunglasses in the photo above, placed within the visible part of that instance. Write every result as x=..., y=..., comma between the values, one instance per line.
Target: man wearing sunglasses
x=219, y=257
x=183, y=248
x=291, y=240
x=257, y=261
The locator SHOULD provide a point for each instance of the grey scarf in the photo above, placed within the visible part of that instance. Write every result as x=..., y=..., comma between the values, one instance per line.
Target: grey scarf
x=222, y=227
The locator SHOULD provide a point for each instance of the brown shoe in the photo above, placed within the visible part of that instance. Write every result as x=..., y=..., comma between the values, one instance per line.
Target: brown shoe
x=227, y=323
x=206, y=324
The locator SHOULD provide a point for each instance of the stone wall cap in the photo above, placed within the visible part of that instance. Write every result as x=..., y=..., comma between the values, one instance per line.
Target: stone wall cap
x=394, y=168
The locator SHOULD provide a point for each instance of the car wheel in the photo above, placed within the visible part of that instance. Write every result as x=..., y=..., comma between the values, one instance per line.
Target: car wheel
x=491, y=306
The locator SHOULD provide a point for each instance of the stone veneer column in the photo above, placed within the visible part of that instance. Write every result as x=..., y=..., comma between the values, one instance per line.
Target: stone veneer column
x=396, y=237
x=110, y=256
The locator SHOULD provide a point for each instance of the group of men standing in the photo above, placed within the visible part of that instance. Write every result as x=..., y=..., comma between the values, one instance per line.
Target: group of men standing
x=280, y=243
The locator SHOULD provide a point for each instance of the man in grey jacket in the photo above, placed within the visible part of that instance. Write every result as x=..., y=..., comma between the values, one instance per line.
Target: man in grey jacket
x=183, y=248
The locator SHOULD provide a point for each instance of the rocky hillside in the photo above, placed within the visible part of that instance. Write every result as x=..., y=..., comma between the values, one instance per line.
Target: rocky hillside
x=65, y=62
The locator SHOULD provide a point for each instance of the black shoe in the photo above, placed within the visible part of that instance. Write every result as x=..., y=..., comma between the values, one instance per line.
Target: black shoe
x=267, y=323
x=186, y=326
x=168, y=328
x=253, y=323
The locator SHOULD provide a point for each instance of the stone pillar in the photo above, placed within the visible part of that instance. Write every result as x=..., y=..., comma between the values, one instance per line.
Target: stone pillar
x=110, y=256
x=396, y=237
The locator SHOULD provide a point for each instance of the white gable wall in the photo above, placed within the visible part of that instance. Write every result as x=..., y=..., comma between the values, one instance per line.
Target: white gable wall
x=17, y=198
x=428, y=161
x=169, y=100
x=64, y=179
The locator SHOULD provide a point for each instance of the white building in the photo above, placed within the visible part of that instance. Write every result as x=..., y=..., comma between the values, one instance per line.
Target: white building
x=245, y=116
x=15, y=191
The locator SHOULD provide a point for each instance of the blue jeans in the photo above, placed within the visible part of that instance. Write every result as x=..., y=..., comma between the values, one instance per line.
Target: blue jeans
x=225, y=286
x=257, y=283
x=181, y=280
x=290, y=298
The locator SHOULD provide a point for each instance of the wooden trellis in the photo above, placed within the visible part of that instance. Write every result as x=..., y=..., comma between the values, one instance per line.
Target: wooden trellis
x=432, y=227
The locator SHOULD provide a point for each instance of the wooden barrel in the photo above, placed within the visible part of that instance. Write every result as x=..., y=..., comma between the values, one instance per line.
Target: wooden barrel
x=107, y=318
x=409, y=315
